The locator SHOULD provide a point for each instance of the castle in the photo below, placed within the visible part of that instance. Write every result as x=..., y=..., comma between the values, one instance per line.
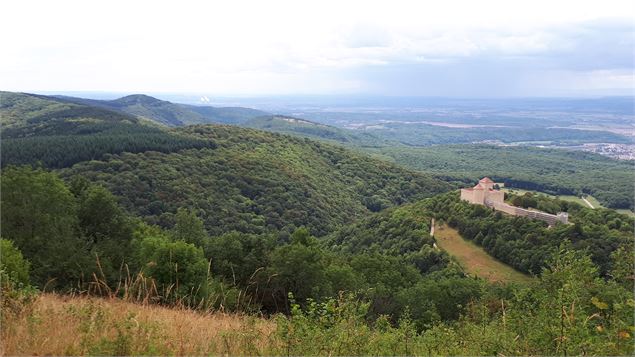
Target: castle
x=485, y=194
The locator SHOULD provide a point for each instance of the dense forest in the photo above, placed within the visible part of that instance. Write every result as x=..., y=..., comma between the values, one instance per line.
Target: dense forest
x=378, y=281
x=255, y=182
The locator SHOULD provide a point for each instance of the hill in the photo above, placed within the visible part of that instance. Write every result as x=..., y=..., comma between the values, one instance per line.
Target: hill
x=225, y=115
x=168, y=113
x=254, y=181
x=25, y=115
x=58, y=133
x=239, y=179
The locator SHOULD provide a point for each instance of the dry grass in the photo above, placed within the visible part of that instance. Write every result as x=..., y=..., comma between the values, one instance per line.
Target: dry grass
x=63, y=325
x=474, y=259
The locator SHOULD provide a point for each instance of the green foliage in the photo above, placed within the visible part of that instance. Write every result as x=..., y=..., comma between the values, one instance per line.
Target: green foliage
x=569, y=312
x=393, y=232
x=189, y=228
x=306, y=128
x=255, y=182
x=299, y=267
x=12, y=263
x=179, y=269
x=16, y=293
x=39, y=214
x=237, y=258
x=106, y=230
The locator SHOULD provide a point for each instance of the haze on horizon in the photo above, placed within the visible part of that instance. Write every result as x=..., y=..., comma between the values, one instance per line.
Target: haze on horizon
x=451, y=49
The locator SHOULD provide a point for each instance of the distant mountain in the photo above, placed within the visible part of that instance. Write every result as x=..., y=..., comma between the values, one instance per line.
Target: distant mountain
x=25, y=115
x=168, y=113
x=314, y=130
x=56, y=132
x=226, y=115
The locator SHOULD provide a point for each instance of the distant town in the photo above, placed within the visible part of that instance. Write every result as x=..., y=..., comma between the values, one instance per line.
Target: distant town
x=612, y=150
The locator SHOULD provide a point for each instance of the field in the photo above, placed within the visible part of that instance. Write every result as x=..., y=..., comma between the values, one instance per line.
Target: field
x=592, y=200
x=474, y=259
x=58, y=325
x=569, y=198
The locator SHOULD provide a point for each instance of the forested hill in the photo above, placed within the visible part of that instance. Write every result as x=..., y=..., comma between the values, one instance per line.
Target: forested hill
x=171, y=114
x=57, y=133
x=255, y=181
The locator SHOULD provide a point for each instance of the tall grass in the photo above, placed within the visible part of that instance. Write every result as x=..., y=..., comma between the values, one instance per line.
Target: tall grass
x=83, y=325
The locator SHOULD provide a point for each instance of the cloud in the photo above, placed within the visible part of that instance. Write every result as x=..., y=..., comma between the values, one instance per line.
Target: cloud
x=277, y=47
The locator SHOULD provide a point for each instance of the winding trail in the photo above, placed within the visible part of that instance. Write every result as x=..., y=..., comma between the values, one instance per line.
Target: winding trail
x=587, y=202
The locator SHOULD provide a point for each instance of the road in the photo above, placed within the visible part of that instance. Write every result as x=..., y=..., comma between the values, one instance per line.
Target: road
x=587, y=202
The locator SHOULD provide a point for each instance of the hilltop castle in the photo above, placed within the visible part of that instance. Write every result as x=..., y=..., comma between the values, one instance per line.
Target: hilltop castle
x=485, y=194
x=482, y=193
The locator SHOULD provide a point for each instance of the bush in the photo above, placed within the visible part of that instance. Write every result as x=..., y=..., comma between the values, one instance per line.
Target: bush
x=12, y=263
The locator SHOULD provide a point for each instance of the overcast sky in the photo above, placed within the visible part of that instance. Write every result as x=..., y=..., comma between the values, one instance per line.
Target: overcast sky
x=431, y=48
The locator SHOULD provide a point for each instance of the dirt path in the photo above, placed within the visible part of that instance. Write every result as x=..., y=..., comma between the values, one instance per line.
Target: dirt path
x=474, y=259
x=587, y=202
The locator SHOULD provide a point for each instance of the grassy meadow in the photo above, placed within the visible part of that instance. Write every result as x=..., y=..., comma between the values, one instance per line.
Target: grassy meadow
x=474, y=259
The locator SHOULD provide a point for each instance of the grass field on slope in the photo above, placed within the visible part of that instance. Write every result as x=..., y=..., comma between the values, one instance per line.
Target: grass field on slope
x=474, y=259
x=62, y=325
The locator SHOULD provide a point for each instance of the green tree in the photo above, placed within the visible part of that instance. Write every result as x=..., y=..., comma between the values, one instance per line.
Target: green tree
x=238, y=258
x=106, y=229
x=189, y=228
x=178, y=268
x=13, y=264
x=299, y=268
x=39, y=214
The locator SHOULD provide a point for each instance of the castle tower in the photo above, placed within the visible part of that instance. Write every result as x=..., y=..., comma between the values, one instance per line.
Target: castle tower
x=487, y=183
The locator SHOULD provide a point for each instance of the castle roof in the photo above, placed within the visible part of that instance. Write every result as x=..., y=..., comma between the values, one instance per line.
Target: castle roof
x=486, y=180
x=478, y=187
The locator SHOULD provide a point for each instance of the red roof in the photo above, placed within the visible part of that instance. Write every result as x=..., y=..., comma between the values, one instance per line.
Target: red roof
x=478, y=187
x=486, y=180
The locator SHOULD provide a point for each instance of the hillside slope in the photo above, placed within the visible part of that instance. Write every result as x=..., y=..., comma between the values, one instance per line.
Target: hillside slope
x=255, y=181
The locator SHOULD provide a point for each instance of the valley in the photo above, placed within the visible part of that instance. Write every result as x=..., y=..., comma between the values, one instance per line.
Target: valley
x=317, y=178
x=159, y=228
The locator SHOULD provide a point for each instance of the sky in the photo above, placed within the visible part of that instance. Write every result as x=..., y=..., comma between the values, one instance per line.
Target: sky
x=396, y=48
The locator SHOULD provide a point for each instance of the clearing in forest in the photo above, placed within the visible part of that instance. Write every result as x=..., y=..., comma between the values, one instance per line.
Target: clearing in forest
x=474, y=259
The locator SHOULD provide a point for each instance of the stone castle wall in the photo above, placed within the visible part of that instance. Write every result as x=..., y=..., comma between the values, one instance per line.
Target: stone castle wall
x=484, y=194
x=551, y=219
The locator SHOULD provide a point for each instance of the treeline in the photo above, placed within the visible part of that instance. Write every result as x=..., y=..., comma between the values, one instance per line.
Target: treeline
x=67, y=150
x=526, y=244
